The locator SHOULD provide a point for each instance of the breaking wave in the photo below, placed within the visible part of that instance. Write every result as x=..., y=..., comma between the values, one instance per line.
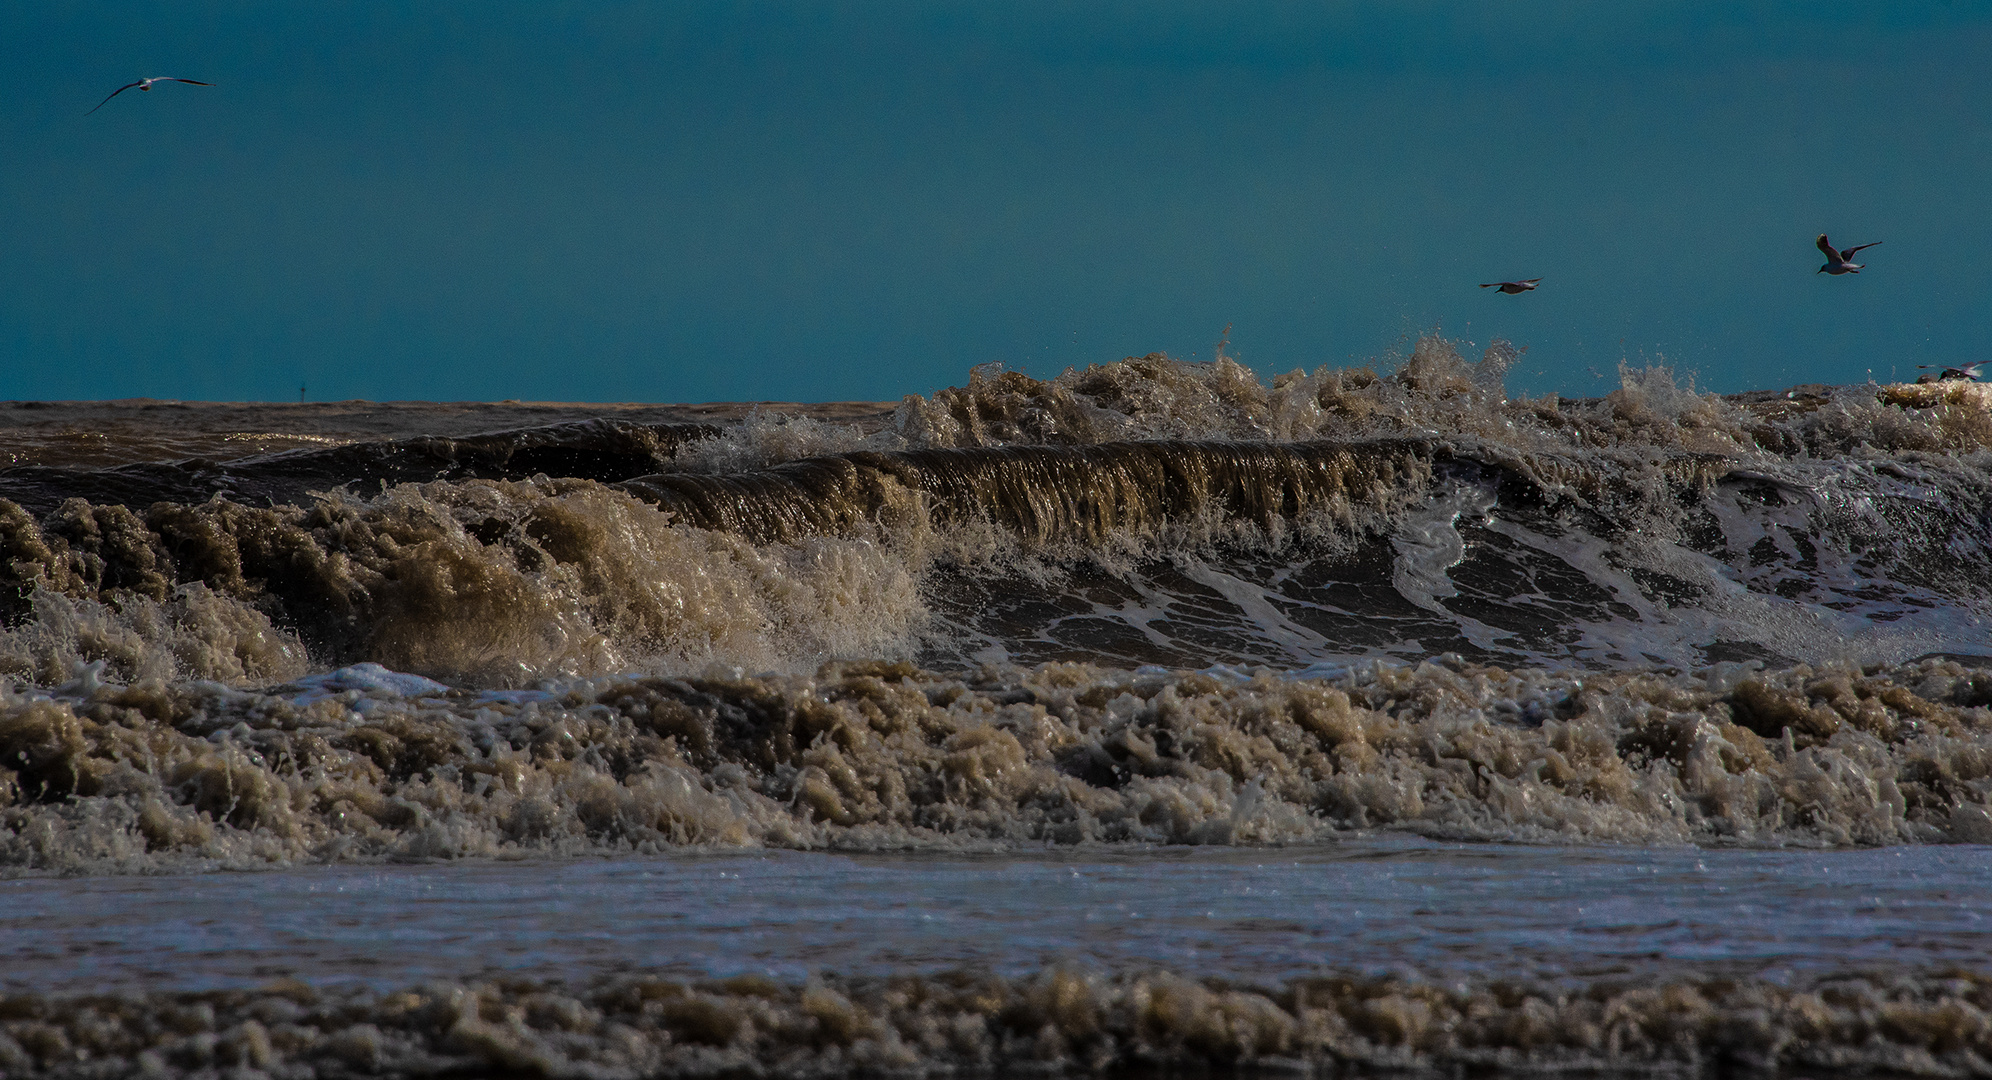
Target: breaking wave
x=1398, y=600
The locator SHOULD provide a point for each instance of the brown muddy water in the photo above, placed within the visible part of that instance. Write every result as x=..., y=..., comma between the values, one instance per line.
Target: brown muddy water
x=1152, y=718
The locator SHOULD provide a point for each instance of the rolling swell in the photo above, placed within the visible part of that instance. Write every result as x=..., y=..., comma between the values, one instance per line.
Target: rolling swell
x=1173, y=552
x=1048, y=494
x=509, y=580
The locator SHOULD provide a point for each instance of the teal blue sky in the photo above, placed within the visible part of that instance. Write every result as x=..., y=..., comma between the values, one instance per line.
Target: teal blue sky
x=709, y=201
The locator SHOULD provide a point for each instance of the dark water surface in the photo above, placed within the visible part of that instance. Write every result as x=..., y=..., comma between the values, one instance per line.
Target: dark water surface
x=1384, y=906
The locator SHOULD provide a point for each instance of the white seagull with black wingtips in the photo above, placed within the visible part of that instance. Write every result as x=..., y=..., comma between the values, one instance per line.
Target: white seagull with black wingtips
x=1840, y=260
x=146, y=84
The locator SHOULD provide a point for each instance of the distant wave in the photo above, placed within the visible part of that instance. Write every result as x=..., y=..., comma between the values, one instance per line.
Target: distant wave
x=603, y=449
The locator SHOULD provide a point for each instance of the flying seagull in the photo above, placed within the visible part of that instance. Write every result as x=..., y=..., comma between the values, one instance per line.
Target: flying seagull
x=146, y=84
x=1840, y=261
x=1961, y=371
x=1513, y=287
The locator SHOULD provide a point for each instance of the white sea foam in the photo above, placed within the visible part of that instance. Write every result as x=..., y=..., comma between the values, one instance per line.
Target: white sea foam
x=367, y=680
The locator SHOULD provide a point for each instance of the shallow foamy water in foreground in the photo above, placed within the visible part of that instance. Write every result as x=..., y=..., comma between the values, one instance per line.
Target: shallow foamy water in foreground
x=1372, y=954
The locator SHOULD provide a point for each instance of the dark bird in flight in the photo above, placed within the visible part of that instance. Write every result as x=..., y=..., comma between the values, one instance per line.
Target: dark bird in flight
x=1840, y=261
x=146, y=84
x=1961, y=371
x=1512, y=287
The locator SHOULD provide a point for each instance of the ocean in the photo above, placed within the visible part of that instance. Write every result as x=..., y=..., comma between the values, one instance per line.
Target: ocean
x=1153, y=719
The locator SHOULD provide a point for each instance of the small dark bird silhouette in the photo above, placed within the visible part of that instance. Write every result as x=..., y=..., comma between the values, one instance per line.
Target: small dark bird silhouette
x=1512, y=287
x=1840, y=261
x=1961, y=371
x=146, y=84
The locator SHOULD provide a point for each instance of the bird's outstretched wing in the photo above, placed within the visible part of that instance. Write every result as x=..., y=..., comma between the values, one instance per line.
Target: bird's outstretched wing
x=115, y=93
x=1493, y=284
x=1828, y=248
x=1530, y=281
x=1849, y=253
x=190, y=82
